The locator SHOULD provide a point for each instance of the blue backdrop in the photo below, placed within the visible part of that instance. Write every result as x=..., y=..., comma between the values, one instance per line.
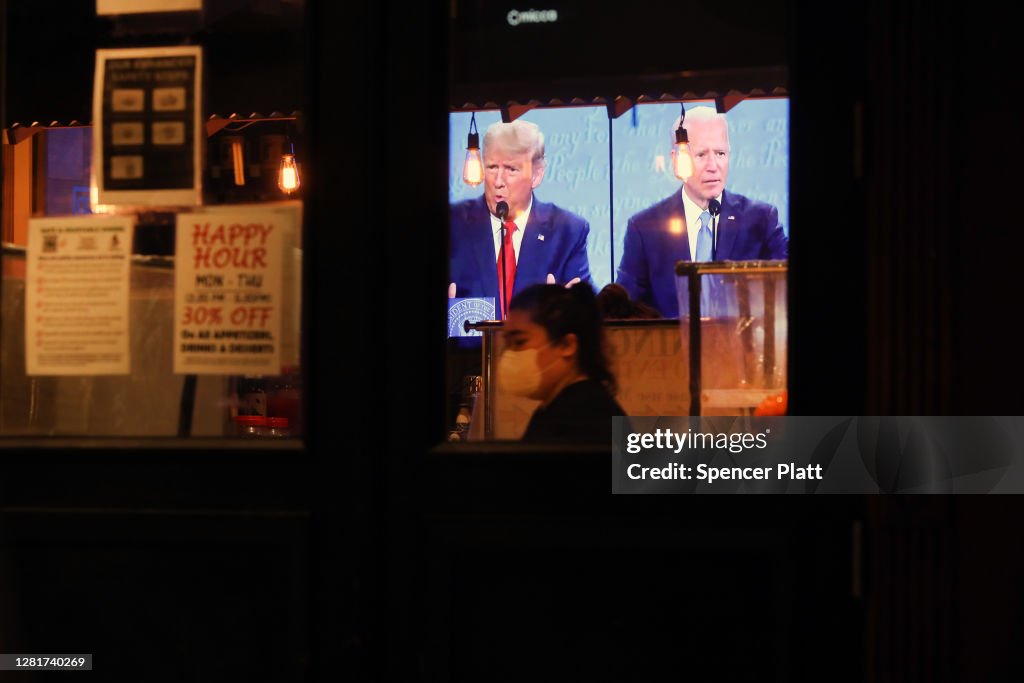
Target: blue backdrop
x=579, y=165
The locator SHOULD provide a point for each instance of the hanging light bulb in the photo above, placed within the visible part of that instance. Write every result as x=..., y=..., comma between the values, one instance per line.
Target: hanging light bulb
x=682, y=162
x=288, y=178
x=473, y=168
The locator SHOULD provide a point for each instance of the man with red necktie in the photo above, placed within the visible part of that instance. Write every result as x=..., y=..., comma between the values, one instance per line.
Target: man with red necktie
x=543, y=243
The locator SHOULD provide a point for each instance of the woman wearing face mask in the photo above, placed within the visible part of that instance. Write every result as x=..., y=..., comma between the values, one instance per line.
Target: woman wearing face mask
x=554, y=353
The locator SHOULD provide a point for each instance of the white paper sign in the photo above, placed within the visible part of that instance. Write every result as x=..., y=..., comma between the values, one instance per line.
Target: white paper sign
x=228, y=301
x=288, y=215
x=77, y=294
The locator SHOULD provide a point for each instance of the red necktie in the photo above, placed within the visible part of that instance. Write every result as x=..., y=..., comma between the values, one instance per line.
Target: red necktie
x=510, y=269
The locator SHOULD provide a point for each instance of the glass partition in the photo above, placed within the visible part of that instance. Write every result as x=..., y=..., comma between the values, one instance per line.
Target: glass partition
x=734, y=318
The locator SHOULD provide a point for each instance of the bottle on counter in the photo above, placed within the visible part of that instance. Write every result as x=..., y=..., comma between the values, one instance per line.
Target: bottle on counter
x=467, y=404
x=461, y=430
x=252, y=396
x=475, y=430
x=284, y=398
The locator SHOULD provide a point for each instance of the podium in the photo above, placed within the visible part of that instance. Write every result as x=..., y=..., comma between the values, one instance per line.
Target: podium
x=734, y=317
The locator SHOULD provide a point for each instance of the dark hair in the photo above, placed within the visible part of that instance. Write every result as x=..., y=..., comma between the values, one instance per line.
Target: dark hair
x=615, y=304
x=561, y=311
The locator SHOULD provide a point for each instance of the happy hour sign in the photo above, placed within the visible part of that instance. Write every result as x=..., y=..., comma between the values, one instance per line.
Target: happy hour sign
x=228, y=300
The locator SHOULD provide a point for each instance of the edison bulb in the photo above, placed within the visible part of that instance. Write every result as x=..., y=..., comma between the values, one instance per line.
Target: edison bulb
x=288, y=179
x=682, y=162
x=473, y=169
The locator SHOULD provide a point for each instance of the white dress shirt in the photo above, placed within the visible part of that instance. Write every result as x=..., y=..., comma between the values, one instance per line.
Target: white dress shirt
x=692, y=213
x=517, y=236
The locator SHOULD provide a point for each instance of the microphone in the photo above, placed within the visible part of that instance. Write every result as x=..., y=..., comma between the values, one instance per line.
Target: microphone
x=714, y=208
x=501, y=209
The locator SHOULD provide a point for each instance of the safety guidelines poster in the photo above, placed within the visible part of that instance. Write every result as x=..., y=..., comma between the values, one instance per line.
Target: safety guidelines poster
x=77, y=296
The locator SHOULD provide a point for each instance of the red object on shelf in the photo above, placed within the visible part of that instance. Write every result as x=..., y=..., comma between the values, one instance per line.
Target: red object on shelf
x=774, y=405
x=250, y=425
x=284, y=399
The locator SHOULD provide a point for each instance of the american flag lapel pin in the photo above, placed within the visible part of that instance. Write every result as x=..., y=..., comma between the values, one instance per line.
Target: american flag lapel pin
x=540, y=237
x=732, y=218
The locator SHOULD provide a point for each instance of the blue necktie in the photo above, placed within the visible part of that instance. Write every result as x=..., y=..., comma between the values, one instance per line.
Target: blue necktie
x=704, y=238
x=707, y=297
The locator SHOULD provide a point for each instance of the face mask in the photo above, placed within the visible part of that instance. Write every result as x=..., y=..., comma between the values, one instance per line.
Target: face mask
x=519, y=372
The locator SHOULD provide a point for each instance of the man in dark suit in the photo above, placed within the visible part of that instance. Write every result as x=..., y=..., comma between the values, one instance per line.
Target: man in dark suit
x=670, y=231
x=543, y=243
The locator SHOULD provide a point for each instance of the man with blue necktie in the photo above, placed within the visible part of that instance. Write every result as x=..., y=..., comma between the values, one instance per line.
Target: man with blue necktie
x=678, y=228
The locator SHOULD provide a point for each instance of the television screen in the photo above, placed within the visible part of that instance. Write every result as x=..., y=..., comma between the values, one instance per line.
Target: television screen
x=596, y=179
